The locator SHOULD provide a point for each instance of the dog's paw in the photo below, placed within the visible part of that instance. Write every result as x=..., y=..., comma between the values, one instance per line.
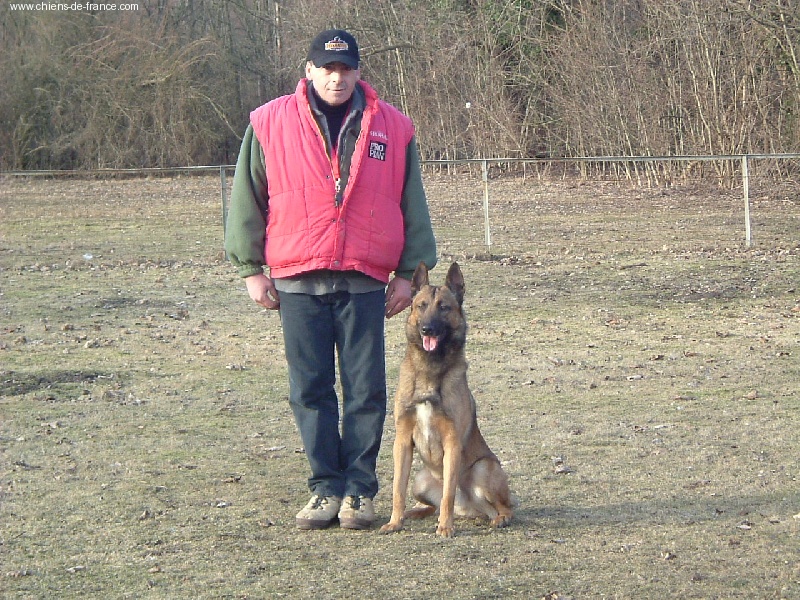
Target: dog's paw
x=391, y=527
x=446, y=531
x=501, y=521
x=419, y=511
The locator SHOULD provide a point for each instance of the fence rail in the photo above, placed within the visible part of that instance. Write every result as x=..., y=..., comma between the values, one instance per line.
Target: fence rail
x=743, y=160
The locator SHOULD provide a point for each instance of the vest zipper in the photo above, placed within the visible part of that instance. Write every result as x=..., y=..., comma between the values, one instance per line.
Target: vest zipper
x=337, y=197
x=333, y=159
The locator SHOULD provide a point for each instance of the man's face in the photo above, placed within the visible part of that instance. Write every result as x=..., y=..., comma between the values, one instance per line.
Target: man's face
x=333, y=82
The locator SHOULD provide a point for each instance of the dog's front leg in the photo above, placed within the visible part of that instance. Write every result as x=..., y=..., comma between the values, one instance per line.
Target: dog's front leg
x=450, y=472
x=403, y=453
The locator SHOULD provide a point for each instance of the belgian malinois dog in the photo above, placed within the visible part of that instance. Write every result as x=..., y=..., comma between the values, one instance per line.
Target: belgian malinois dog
x=435, y=413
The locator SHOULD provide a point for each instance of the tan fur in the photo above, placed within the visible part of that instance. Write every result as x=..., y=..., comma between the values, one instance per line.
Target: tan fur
x=435, y=413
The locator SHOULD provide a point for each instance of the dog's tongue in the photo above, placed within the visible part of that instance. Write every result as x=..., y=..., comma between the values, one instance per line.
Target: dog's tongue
x=429, y=342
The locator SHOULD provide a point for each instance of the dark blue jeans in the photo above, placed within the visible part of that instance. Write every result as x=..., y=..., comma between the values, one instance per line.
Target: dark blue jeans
x=315, y=330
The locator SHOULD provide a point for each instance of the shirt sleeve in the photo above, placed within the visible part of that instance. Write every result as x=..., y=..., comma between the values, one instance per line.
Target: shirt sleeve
x=420, y=243
x=245, y=225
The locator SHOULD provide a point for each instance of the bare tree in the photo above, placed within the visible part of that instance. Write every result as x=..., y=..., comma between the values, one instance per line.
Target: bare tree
x=174, y=82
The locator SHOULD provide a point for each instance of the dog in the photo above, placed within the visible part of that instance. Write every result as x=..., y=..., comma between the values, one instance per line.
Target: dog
x=435, y=413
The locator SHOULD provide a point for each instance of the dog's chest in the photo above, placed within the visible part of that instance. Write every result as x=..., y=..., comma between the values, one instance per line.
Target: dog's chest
x=426, y=434
x=425, y=417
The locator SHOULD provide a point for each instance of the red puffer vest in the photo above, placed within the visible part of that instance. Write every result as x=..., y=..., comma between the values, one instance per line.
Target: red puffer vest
x=306, y=230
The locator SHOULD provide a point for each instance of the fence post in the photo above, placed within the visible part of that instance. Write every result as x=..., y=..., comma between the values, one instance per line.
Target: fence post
x=746, y=189
x=223, y=184
x=485, y=176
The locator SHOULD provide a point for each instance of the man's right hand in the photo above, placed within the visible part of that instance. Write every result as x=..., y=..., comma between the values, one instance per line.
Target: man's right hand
x=262, y=290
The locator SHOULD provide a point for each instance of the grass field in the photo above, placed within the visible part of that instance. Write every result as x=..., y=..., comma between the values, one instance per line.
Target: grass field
x=636, y=369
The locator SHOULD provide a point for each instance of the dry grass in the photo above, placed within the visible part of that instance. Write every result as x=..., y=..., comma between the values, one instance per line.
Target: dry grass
x=635, y=367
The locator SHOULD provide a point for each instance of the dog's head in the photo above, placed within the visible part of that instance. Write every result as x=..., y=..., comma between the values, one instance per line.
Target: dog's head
x=436, y=322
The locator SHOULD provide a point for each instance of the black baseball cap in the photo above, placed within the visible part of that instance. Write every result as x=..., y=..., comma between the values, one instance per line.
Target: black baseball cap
x=334, y=45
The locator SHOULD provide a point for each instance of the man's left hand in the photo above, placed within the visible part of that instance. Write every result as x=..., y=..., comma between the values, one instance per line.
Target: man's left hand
x=398, y=296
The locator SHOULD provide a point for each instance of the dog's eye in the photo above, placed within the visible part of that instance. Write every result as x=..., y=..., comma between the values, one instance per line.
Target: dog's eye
x=445, y=307
x=422, y=305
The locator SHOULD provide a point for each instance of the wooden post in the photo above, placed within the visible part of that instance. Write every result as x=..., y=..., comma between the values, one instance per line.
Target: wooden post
x=485, y=174
x=223, y=184
x=746, y=189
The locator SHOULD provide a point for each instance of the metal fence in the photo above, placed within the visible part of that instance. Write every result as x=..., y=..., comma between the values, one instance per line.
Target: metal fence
x=729, y=170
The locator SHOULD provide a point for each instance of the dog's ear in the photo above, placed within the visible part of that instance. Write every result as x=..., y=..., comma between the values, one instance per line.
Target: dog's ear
x=455, y=281
x=420, y=279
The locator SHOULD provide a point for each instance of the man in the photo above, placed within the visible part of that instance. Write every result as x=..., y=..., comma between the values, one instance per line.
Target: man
x=328, y=196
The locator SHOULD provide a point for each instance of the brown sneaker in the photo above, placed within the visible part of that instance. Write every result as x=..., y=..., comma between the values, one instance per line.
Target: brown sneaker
x=319, y=513
x=357, y=512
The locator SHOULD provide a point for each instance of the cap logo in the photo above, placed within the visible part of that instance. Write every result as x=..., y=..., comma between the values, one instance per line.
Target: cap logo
x=337, y=44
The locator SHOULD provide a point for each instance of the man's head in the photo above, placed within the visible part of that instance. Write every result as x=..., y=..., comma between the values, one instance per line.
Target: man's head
x=332, y=66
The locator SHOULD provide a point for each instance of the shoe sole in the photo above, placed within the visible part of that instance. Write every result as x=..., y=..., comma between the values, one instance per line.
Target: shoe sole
x=311, y=525
x=358, y=524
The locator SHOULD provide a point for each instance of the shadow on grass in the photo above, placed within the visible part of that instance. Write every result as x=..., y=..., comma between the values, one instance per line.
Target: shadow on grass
x=672, y=511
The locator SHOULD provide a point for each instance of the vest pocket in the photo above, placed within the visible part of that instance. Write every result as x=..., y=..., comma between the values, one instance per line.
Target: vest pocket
x=386, y=233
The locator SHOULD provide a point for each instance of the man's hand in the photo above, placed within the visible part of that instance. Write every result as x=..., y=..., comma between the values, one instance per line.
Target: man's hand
x=262, y=291
x=398, y=296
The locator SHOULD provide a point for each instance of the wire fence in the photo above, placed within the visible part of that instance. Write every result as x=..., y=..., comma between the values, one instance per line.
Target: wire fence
x=729, y=171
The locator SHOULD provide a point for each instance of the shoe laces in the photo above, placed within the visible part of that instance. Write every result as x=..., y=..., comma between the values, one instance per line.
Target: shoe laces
x=318, y=501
